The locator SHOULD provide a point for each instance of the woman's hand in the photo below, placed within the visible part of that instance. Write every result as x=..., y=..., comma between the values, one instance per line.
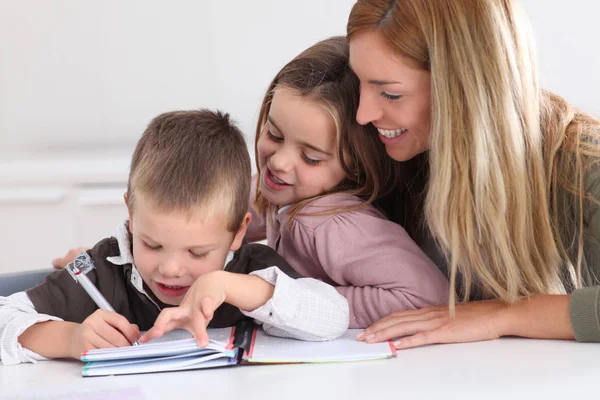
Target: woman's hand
x=544, y=316
x=61, y=262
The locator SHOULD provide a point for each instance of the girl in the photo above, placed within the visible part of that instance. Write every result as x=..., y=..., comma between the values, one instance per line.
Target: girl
x=314, y=183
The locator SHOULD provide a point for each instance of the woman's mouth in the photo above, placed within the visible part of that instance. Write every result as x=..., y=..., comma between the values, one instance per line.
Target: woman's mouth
x=391, y=133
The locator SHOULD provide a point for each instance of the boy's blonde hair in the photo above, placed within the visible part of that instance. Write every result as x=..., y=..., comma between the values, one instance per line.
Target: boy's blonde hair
x=506, y=160
x=187, y=160
x=321, y=73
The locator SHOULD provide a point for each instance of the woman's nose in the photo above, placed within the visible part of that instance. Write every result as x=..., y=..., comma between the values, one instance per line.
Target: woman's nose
x=368, y=109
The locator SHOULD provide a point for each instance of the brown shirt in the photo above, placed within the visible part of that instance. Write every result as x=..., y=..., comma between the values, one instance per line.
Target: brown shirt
x=59, y=295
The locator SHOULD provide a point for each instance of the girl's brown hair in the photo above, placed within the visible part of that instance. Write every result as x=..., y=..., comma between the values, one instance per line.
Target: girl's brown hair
x=322, y=74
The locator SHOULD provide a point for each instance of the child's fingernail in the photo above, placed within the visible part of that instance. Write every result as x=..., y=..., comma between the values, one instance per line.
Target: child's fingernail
x=396, y=343
x=360, y=335
x=370, y=336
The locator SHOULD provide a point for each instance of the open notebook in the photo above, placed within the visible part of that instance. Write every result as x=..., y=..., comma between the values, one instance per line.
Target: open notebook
x=243, y=344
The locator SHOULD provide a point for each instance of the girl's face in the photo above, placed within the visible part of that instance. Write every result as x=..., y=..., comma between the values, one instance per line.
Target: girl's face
x=395, y=96
x=297, y=149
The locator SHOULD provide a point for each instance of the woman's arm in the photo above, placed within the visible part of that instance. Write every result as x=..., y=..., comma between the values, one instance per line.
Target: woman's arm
x=543, y=317
x=575, y=316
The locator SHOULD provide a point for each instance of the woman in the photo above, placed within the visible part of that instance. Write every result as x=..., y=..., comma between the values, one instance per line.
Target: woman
x=505, y=183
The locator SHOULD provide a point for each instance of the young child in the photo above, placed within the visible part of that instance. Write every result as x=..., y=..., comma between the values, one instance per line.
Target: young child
x=318, y=170
x=187, y=198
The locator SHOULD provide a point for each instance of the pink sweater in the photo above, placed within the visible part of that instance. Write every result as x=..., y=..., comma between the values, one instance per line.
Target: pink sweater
x=370, y=260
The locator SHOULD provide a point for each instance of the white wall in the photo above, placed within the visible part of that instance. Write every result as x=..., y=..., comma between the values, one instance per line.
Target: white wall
x=568, y=40
x=79, y=81
x=78, y=73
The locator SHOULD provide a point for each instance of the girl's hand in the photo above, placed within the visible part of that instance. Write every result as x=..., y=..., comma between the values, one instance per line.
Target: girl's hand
x=195, y=311
x=102, y=329
x=61, y=262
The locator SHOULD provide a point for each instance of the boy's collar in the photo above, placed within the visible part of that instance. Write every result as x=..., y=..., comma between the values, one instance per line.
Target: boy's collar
x=228, y=258
x=125, y=257
x=124, y=241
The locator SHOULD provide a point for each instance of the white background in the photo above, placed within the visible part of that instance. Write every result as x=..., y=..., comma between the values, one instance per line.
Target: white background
x=91, y=74
x=80, y=80
x=80, y=74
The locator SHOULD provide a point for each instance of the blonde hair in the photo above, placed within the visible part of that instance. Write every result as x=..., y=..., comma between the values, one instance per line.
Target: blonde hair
x=321, y=73
x=503, y=153
x=187, y=160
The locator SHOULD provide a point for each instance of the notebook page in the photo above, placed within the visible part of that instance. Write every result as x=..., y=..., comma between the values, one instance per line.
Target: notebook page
x=270, y=349
x=216, y=335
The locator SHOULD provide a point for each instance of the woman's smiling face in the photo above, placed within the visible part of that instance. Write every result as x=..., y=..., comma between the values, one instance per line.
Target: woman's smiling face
x=395, y=96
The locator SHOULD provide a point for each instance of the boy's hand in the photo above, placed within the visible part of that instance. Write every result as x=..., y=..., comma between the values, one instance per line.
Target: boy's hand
x=100, y=330
x=195, y=311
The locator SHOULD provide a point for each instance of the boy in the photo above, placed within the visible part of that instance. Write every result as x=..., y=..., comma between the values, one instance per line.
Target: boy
x=187, y=198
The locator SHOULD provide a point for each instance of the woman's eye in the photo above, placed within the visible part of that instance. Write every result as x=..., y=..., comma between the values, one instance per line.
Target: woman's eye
x=274, y=138
x=309, y=160
x=390, y=96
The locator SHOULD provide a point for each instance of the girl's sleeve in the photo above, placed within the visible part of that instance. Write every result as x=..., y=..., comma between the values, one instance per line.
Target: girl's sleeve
x=377, y=267
x=17, y=313
x=257, y=230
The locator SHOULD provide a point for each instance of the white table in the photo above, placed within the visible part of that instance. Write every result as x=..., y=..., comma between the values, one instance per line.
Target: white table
x=508, y=368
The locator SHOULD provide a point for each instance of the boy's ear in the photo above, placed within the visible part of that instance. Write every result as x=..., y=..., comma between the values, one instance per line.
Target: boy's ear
x=239, y=236
x=129, y=212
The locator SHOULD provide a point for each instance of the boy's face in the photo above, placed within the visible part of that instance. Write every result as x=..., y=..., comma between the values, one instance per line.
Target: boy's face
x=171, y=249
